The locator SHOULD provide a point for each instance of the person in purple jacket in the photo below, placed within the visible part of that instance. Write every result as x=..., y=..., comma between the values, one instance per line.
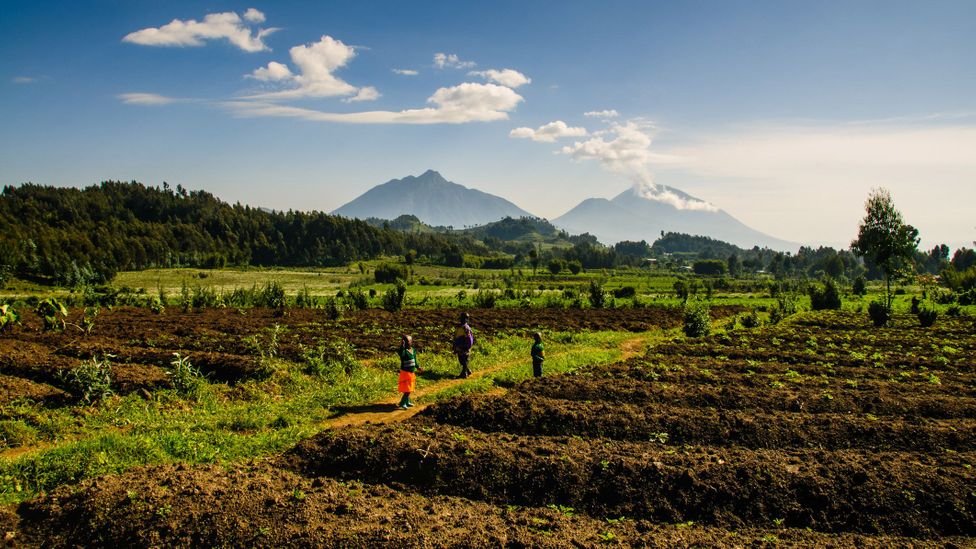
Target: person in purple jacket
x=463, y=342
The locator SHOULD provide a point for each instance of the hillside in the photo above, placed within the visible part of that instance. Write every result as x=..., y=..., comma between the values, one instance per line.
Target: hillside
x=433, y=200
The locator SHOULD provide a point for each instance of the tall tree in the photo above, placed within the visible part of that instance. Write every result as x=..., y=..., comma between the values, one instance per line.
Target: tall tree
x=885, y=238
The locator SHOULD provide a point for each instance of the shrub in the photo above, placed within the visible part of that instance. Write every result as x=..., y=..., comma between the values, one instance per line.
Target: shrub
x=710, y=267
x=485, y=299
x=681, y=290
x=597, y=297
x=304, y=299
x=330, y=360
x=927, y=316
x=860, y=286
x=574, y=266
x=203, y=297
x=555, y=266
x=967, y=298
x=393, y=298
x=89, y=382
x=333, y=308
x=824, y=296
x=879, y=313
x=698, y=323
x=785, y=306
x=358, y=299
x=626, y=291
x=954, y=310
x=271, y=296
x=751, y=320
x=388, y=273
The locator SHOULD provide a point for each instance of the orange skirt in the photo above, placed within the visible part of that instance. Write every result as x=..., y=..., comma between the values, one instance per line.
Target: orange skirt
x=407, y=382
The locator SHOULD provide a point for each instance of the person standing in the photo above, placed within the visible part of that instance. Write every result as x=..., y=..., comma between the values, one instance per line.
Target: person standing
x=538, y=355
x=408, y=370
x=463, y=342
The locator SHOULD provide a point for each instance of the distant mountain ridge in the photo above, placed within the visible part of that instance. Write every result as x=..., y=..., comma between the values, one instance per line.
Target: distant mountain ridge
x=433, y=200
x=632, y=216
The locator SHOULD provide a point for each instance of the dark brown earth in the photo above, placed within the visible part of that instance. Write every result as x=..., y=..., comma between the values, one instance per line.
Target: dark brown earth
x=821, y=432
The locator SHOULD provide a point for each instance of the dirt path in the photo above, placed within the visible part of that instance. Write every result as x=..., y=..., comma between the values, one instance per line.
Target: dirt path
x=386, y=410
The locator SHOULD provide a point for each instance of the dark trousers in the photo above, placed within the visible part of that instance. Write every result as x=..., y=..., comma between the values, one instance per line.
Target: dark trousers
x=537, y=368
x=463, y=361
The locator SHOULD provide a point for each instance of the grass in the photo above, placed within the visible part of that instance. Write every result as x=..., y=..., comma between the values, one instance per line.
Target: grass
x=223, y=424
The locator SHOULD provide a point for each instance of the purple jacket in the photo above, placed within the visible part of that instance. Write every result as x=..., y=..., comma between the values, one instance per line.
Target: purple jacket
x=463, y=339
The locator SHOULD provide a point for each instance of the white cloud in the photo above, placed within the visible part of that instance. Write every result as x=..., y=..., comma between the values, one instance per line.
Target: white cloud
x=451, y=61
x=254, y=16
x=367, y=93
x=316, y=63
x=610, y=113
x=505, y=77
x=467, y=102
x=406, y=72
x=626, y=149
x=548, y=133
x=216, y=26
x=150, y=99
x=274, y=72
x=23, y=80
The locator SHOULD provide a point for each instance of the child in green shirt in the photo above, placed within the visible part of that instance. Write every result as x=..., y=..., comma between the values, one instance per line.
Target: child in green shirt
x=538, y=355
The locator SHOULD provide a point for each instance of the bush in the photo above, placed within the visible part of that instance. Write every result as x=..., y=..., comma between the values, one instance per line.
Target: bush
x=393, y=298
x=713, y=267
x=626, y=291
x=485, y=299
x=967, y=297
x=824, y=296
x=555, y=266
x=751, y=320
x=271, y=296
x=90, y=382
x=860, y=286
x=879, y=313
x=598, y=298
x=331, y=360
x=698, y=323
x=927, y=316
x=388, y=273
x=358, y=299
x=574, y=266
x=333, y=308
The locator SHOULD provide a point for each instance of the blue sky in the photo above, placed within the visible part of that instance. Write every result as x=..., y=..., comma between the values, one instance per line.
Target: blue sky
x=785, y=114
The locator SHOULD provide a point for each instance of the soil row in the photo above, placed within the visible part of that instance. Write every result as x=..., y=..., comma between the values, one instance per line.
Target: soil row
x=828, y=491
x=738, y=393
x=258, y=505
x=533, y=415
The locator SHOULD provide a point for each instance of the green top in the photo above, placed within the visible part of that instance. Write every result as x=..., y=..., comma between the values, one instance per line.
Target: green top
x=538, y=352
x=408, y=359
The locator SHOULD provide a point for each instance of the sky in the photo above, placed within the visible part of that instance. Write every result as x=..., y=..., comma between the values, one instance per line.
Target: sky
x=784, y=114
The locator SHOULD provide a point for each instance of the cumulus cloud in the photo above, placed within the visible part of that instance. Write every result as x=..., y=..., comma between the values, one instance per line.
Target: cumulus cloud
x=367, y=93
x=467, y=102
x=505, y=77
x=626, y=149
x=274, y=72
x=316, y=64
x=610, y=113
x=451, y=61
x=216, y=26
x=149, y=99
x=406, y=72
x=548, y=133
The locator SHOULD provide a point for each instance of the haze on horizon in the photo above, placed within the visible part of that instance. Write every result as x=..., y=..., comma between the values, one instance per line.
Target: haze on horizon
x=783, y=114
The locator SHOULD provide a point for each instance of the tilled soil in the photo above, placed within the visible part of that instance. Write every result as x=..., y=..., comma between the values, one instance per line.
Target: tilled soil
x=260, y=505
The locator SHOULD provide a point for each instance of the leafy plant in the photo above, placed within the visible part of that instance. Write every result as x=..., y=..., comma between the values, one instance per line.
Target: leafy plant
x=184, y=377
x=53, y=313
x=697, y=322
x=927, y=316
x=331, y=360
x=598, y=297
x=880, y=314
x=8, y=317
x=357, y=299
x=885, y=239
x=824, y=296
x=485, y=299
x=393, y=298
x=89, y=382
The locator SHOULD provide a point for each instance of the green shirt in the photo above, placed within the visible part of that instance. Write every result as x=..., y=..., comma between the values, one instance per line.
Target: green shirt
x=408, y=359
x=538, y=352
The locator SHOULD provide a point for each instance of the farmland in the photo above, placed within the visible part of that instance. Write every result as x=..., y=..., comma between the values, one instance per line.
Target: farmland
x=820, y=429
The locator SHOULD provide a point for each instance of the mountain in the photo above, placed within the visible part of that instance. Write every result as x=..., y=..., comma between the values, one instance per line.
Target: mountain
x=433, y=199
x=633, y=216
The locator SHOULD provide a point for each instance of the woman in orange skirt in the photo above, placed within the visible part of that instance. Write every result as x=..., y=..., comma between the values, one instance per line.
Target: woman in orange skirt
x=408, y=370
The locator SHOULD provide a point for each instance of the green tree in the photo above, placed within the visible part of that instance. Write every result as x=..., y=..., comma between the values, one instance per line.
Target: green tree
x=884, y=238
